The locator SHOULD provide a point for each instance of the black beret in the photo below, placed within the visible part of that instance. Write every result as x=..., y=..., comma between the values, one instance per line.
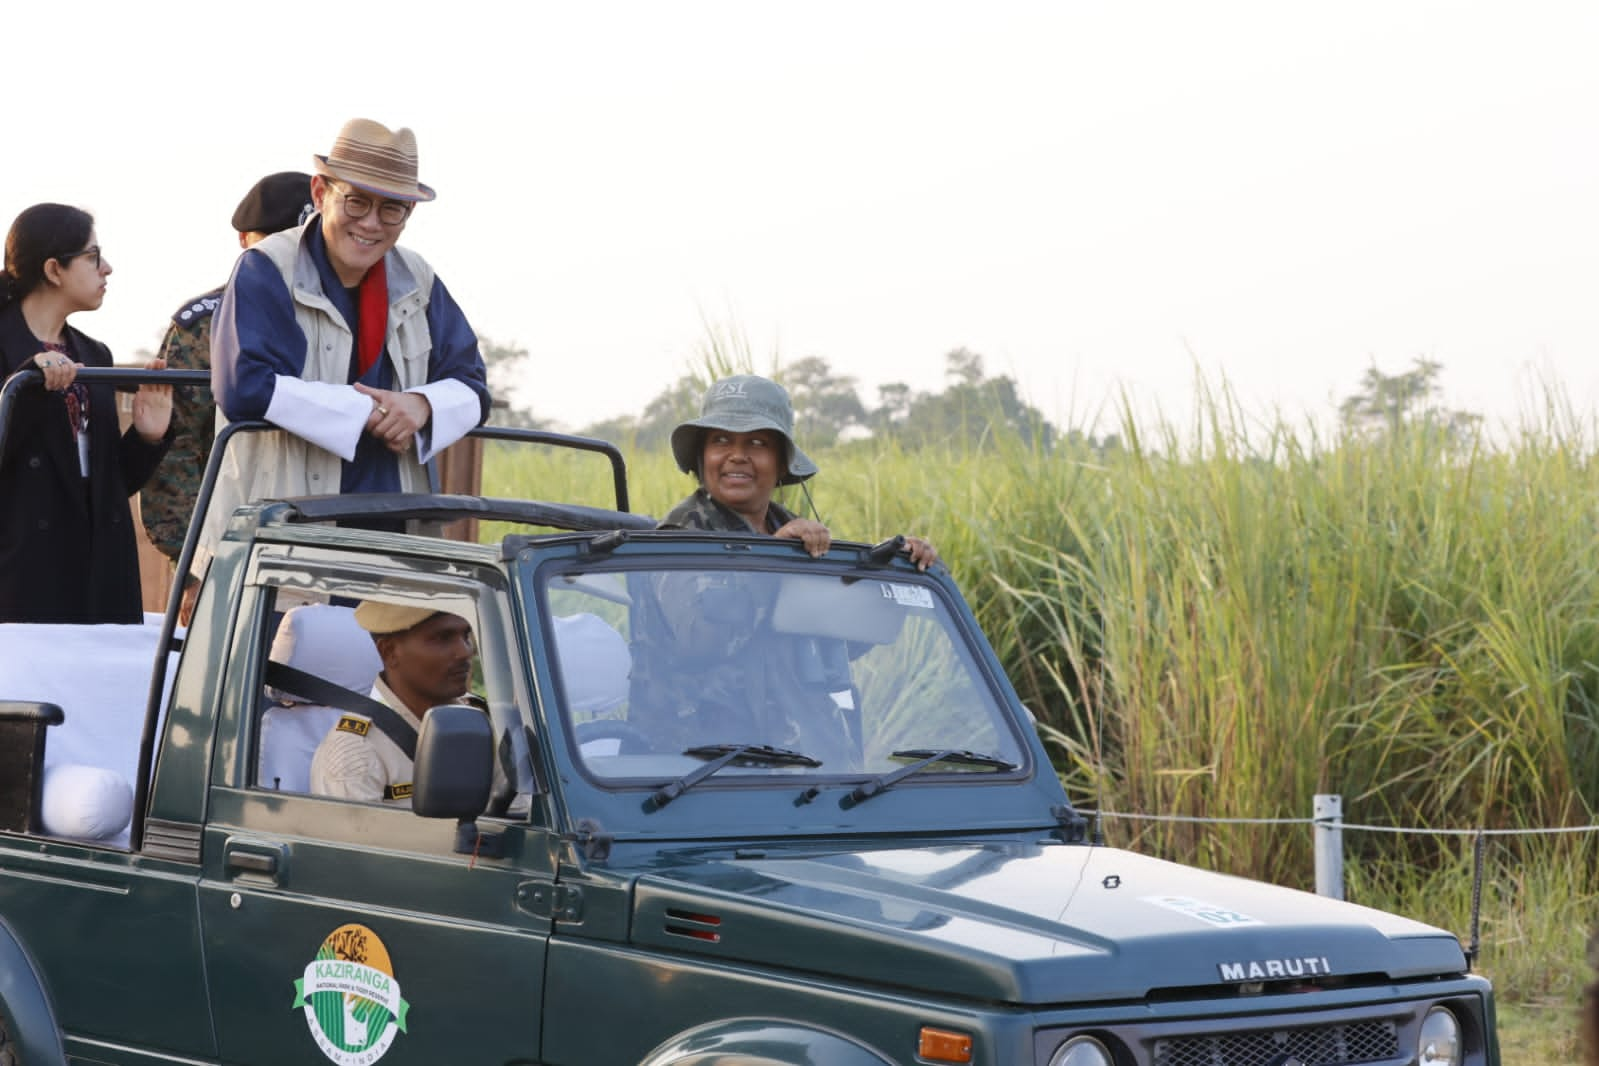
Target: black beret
x=277, y=201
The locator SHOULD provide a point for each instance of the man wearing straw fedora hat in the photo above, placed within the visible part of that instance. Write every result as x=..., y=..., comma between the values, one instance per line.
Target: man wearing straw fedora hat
x=352, y=344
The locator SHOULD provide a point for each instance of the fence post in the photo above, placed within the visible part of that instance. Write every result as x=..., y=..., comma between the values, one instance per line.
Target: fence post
x=1328, y=815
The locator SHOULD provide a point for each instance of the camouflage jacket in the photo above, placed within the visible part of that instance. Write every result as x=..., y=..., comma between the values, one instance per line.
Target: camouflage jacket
x=699, y=511
x=166, y=502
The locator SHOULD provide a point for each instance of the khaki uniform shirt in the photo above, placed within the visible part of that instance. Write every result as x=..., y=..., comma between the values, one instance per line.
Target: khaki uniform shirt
x=358, y=761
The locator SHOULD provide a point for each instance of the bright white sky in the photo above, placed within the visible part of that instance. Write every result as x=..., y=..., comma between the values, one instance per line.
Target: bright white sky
x=1092, y=196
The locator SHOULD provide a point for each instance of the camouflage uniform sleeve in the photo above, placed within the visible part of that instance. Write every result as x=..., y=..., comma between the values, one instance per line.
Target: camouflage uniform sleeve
x=167, y=500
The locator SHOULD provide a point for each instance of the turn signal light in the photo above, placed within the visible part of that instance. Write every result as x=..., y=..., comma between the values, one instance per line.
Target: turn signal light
x=944, y=1045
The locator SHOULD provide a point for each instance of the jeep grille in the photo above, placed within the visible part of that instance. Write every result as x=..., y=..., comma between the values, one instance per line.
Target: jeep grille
x=1321, y=1045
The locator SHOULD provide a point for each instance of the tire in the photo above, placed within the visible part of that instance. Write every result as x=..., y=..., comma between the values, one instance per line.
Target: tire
x=8, y=1046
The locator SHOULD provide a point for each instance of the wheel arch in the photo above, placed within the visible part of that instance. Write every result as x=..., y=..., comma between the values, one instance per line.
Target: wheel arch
x=762, y=1042
x=25, y=1006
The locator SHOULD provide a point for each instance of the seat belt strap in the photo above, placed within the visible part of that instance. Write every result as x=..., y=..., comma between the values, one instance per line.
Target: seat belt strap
x=311, y=687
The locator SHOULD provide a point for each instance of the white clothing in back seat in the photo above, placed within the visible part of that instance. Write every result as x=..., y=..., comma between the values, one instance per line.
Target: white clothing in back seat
x=100, y=676
x=595, y=663
x=319, y=639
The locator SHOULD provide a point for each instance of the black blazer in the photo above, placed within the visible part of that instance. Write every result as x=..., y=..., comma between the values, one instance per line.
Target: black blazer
x=67, y=547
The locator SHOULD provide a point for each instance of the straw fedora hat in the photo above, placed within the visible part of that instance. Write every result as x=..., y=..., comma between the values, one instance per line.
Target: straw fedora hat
x=373, y=157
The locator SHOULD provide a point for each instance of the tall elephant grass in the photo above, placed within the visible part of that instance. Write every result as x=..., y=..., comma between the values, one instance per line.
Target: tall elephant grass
x=1224, y=624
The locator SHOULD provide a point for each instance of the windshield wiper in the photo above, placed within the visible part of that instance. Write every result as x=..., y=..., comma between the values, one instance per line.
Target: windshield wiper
x=924, y=757
x=725, y=755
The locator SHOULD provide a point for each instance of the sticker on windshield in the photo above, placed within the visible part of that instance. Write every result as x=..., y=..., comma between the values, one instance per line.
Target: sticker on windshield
x=908, y=595
x=352, y=1001
x=1205, y=912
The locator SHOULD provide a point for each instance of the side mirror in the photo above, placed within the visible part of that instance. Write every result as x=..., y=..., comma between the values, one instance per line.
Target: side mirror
x=454, y=766
x=453, y=774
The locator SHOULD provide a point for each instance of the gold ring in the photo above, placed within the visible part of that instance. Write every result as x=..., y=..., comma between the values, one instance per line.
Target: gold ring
x=382, y=410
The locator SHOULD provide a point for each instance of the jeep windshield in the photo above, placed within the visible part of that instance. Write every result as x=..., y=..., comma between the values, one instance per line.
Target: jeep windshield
x=659, y=669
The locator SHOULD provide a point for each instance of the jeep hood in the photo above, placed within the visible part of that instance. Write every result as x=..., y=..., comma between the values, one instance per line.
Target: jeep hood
x=1020, y=923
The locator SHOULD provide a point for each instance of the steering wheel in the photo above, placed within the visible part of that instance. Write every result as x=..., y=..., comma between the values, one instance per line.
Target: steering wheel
x=634, y=741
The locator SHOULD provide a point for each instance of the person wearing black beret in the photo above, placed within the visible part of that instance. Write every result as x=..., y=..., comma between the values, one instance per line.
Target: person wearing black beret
x=277, y=202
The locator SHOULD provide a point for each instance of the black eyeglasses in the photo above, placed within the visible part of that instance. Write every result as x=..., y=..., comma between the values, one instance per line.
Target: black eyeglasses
x=390, y=212
x=93, y=251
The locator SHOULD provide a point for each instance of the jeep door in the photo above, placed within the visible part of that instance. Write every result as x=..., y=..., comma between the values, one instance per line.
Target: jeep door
x=353, y=931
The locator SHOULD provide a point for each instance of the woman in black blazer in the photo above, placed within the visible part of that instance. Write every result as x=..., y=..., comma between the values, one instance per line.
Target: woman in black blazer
x=67, y=548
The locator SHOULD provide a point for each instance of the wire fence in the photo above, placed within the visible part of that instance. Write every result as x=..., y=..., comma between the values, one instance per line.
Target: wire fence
x=1328, y=826
x=1346, y=826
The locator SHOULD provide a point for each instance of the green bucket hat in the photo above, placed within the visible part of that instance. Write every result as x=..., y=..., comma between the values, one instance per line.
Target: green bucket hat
x=743, y=403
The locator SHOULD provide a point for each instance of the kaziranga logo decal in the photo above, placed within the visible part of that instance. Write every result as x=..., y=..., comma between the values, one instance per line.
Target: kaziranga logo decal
x=351, y=999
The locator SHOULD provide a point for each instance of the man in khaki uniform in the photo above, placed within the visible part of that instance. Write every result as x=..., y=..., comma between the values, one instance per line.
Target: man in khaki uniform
x=427, y=661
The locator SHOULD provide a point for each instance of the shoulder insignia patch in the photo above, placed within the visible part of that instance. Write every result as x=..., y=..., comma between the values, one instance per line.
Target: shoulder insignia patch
x=351, y=724
x=397, y=792
x=197, y=310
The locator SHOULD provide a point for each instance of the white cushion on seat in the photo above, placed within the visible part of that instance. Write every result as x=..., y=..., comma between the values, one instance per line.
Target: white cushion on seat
x=85, y=802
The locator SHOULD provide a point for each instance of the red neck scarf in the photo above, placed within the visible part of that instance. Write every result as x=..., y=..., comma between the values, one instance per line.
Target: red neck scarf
x=373, y=310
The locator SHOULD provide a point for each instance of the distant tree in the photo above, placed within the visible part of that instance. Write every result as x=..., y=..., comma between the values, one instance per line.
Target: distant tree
x=620, y=429
x=1076, y=442
x=653, y=429
x=677, y=404
x=973, y=409
x=1385, y=403
x=893, y=405
x=508, y=367
x=962, y=366
x=825, y=404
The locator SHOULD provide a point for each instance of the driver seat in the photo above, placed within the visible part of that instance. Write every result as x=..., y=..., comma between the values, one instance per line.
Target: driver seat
x=321, y=639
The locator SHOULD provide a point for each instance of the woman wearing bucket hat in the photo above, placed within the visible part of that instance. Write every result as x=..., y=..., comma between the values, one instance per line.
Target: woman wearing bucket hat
x=741, y=448
x=747, y=679
x=349, y=342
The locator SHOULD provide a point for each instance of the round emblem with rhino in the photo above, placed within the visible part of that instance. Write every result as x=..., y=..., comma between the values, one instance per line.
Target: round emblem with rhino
x=350, y=997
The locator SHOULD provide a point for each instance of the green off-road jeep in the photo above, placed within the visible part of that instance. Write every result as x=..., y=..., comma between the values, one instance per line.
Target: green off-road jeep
x=722, y=803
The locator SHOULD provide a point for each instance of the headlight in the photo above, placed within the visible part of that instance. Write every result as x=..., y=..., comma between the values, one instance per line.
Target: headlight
x=1085, y=1051
x=1440, y=1039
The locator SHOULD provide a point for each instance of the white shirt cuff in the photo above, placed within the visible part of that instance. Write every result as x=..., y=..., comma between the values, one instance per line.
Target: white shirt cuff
x=330, y=416
x=456, y=411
